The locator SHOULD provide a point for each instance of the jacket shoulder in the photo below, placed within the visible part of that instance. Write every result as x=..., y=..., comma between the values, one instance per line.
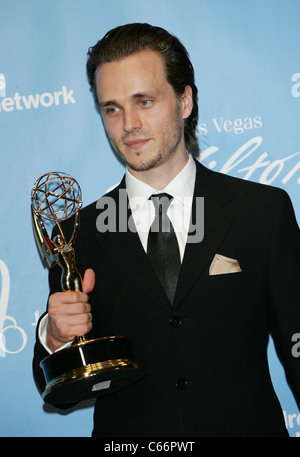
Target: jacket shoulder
x=238, y=186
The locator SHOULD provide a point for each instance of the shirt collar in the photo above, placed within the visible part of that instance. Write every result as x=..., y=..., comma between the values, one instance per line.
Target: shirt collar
x=181, y=187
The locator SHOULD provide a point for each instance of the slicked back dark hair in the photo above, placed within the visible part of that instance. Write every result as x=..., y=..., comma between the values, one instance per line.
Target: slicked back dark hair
x=126, y=40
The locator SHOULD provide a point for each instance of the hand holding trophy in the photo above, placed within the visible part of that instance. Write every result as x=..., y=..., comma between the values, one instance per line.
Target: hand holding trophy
x=88, y=368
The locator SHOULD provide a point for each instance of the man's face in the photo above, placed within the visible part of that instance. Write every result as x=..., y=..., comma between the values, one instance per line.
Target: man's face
x=142, y=115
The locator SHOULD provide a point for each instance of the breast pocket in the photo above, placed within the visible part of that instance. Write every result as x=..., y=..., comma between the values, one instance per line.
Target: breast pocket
x=232, y=286
x=227, y=278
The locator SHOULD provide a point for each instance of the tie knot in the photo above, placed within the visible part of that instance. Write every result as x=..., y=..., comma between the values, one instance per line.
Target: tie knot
x=161, y=202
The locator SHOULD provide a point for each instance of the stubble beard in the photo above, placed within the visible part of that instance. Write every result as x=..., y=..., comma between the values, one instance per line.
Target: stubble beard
x=171, y=138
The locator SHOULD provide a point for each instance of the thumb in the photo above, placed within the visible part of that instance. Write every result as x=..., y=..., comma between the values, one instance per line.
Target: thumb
x=88, y=281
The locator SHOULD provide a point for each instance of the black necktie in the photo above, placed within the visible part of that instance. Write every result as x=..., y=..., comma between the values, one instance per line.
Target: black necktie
x=162, y=247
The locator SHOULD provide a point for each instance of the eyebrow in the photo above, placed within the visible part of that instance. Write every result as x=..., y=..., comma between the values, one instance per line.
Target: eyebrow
x=108, y=103
x=148, y=93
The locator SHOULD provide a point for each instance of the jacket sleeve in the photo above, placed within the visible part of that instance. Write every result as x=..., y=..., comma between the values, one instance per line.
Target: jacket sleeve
x=284, y=283
x=39, y=350
x=39, y=354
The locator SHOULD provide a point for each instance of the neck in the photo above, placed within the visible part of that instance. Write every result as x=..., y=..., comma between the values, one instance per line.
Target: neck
x=160, y=176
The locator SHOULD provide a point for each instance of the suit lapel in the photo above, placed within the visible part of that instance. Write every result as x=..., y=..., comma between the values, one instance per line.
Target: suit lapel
x=126, y=251
x=218, y=216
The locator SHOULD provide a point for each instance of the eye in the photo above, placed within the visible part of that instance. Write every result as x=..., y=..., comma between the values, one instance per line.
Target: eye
x=146, y=103
x=111, y=111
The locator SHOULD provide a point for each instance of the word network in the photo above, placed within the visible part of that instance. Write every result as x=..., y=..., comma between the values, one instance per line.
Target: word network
x=46, y=99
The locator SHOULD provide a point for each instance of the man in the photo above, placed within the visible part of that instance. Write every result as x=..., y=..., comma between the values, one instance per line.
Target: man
x=203, y=337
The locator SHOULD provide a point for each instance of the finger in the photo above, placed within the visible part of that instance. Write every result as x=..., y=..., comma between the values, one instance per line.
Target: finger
x=63, y=303
x=88, y=281
x=76, y=319
x=62, y=309
x=78, y=325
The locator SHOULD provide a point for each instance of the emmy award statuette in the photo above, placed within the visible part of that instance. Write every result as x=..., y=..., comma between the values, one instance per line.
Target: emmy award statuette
x=87, y=368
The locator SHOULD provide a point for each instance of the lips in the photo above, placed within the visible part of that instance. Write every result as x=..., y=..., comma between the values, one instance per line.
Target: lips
x=136, y=144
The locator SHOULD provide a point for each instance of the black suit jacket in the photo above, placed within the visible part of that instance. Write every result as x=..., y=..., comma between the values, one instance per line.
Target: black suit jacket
x=205, y=356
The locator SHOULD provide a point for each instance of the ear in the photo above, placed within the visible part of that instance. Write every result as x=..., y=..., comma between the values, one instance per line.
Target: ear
x=187, y=102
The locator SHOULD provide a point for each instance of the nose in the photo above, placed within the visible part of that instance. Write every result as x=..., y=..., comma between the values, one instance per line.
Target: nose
x=132, y=121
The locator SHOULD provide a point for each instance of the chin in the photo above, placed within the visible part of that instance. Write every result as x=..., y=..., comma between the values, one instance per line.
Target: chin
x=145, y=165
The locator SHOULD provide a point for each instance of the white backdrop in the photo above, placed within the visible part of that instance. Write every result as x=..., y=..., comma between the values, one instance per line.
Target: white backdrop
x=246, y=59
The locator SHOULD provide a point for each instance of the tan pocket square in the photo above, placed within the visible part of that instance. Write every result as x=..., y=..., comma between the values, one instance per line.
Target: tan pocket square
x=223, y=265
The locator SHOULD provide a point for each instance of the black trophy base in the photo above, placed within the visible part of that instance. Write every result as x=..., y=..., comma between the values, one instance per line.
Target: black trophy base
x=89, y=369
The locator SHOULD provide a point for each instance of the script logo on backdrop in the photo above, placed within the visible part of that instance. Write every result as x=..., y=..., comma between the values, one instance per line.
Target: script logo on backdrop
x=285, y=168
x=4, y=296
x=46, y=99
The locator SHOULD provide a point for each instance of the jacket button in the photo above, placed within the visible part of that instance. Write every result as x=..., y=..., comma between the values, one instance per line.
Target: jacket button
x=175, y=321
x=181, y=384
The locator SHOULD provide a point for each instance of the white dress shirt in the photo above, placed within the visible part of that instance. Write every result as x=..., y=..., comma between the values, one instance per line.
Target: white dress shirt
x=181, y=188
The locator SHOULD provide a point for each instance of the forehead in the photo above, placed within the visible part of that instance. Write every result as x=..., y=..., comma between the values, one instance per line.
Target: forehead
x=141, y=71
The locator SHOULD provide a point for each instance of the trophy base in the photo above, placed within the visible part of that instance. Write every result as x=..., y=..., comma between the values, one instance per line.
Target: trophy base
x=89, y=369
